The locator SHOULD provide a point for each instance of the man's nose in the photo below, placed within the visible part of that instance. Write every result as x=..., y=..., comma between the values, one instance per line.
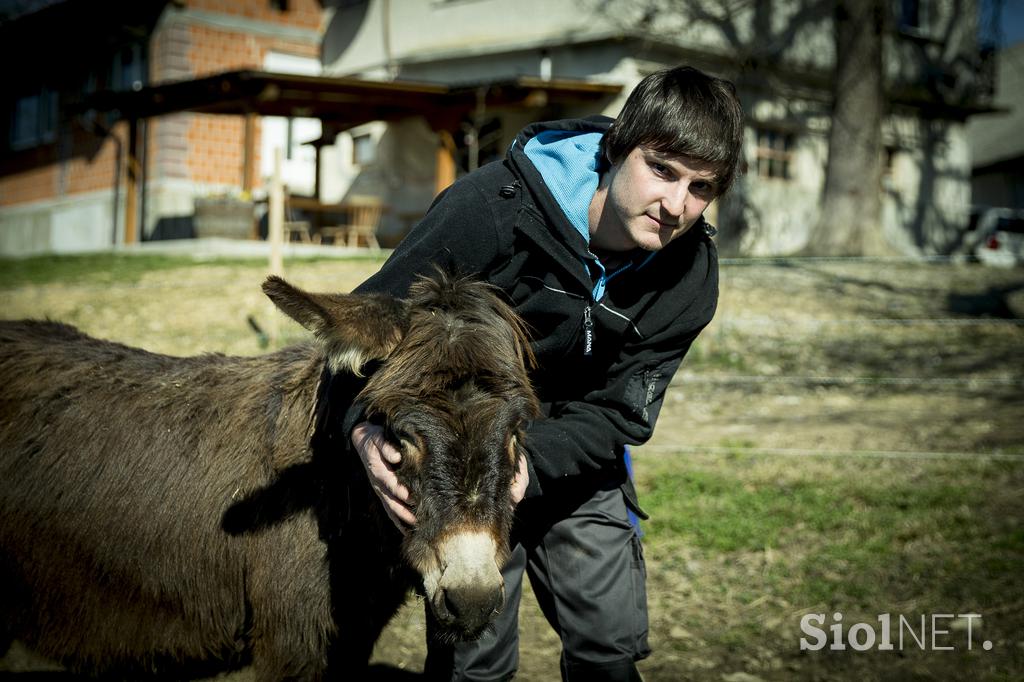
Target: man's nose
x=674, y=201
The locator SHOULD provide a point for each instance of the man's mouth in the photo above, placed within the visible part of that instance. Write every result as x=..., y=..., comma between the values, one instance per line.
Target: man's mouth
x=668, y=226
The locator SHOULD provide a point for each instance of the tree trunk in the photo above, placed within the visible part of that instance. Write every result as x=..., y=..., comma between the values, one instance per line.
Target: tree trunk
x=851, y=210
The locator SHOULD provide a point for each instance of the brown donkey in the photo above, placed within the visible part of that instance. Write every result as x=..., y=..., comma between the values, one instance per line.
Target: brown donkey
x=177, y=516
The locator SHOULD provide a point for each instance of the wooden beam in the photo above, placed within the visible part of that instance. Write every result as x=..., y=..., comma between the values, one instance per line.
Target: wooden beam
x=132, y=172
x=275, y=217
x=445, y=164
x=248, y=154
x=275, y=235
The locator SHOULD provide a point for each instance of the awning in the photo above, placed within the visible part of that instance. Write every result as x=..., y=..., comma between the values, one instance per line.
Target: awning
x=343, y=102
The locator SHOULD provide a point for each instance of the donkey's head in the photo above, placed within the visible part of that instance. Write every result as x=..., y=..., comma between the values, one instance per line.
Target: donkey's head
x=453, y=393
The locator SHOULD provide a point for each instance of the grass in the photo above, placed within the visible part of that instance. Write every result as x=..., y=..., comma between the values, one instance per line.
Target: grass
x=773, y=539
x=114, y=268
x=99, y=268
x=719, y=511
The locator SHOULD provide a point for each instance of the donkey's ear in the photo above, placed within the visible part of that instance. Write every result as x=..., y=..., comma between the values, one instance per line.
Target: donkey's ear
x=354, y=328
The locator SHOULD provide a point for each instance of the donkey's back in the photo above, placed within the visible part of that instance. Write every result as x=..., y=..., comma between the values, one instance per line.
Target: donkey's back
x=117, y=468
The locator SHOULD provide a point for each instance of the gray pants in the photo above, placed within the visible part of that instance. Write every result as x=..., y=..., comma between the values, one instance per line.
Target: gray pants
x=587, y=570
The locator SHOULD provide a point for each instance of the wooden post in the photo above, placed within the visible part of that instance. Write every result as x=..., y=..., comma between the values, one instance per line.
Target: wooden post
x=248, y=154
x=132, y=167
x=275, y=235
x=248, y=161
x=275, y=218
x=445, y=165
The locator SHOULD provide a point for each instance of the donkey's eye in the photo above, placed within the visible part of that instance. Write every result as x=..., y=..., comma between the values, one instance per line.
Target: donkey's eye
x=513, y=446
x=412, y=447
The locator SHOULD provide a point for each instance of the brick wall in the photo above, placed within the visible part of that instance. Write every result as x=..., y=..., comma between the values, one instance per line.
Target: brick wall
x=187, y=147
x=92, y=167
x=301, y=13
x=212, y=151
x=30, y=185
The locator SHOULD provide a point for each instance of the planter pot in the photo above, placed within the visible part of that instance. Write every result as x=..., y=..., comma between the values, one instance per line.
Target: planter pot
x=226, y=218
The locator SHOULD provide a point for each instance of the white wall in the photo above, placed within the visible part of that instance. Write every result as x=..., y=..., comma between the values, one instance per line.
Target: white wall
x=298, y=165
x=926, y=197
x=83, y=222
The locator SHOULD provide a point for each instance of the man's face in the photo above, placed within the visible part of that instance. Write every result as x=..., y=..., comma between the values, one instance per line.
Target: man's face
x=650, y=199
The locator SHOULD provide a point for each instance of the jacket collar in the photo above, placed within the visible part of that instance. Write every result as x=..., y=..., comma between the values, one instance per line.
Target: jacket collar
x=558, y=238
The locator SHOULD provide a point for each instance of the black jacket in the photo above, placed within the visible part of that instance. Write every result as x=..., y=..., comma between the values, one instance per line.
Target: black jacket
x=603, y=366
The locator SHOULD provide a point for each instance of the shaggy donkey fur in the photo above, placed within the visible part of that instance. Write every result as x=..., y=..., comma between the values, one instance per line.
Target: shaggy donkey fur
x=178, y=516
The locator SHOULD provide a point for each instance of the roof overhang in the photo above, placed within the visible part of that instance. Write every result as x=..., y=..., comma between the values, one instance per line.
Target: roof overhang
x=342, y=102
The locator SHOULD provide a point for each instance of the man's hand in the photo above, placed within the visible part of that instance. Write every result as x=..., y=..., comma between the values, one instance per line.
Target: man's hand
x=381, y=459
x=521, y=480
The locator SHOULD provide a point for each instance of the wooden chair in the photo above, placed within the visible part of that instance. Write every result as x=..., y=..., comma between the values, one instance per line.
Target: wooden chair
x=363, y=216
x=299, y=229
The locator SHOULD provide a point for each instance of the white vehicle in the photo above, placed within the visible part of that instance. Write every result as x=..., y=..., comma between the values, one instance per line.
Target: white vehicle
x=996, y=236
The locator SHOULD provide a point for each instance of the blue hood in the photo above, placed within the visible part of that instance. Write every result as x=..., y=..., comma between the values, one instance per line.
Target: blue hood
x=569, y=162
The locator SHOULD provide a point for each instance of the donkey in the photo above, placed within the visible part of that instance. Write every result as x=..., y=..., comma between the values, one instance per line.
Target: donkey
x=180, y=516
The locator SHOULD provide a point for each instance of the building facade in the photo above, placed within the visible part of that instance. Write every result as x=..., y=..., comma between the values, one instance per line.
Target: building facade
x=996, y=140
x=781, y=56
x=64, y=168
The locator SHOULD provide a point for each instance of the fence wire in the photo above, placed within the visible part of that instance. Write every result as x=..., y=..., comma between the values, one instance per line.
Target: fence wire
x=760, y=323
x=807, y=452
x=687, y=378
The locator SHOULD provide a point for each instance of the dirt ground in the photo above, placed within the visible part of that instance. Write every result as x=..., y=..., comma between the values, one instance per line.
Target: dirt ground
x=888, y=366
x=814, y=372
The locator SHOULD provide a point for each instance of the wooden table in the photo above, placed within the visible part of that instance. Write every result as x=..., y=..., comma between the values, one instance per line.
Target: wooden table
x=348, y=221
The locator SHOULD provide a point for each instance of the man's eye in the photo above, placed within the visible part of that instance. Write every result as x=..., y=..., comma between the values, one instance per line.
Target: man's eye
x=660, y=169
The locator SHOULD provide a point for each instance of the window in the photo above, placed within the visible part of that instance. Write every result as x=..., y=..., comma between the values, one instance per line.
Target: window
x=889, y=167
x=364, y=151
x=1015, y=225
x=128, y=68
x=479, y=144
x=774, y=154
x=912, y=16
x=34, y=120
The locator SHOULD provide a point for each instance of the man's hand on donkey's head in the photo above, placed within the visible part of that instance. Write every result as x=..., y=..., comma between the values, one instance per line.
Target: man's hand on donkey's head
x=380, y=459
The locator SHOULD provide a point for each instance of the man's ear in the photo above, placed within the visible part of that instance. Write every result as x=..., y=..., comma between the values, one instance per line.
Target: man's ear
x=353, y=328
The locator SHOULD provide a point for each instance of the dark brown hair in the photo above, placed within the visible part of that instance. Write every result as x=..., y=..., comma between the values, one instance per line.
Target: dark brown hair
x=681, y=111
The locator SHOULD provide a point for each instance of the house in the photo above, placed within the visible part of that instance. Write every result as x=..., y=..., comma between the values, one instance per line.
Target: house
x=780, y=55
x=159, y=119
x=65, y=170
x=997, y=142
x=83, y=179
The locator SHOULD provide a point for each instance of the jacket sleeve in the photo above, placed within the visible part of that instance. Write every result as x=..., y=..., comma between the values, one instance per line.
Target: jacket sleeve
x=585, y=436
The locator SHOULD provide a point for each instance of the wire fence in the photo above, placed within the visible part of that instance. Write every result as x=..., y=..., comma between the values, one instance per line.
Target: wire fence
x=859, y=454
x=760, y=323
x=752, y=261
x=688, y=378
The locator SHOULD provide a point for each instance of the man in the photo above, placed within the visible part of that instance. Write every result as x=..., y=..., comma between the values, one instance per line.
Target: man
x=594, y=231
